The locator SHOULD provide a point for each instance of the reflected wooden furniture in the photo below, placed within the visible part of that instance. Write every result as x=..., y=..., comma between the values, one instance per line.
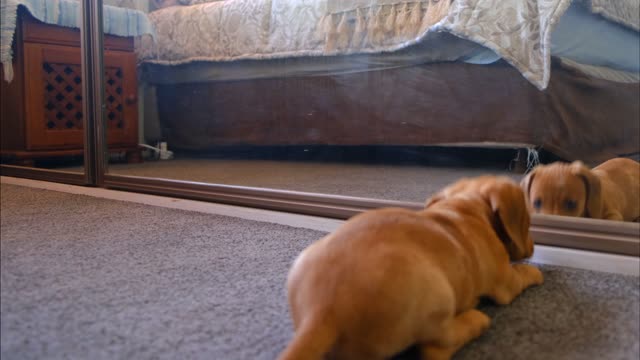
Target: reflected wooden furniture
x=41, y=108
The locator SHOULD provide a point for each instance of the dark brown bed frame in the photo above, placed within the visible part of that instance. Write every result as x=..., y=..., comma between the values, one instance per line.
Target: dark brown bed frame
x=576, y=117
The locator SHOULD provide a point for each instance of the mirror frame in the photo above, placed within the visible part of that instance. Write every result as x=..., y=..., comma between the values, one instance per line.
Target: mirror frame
x=567, y=232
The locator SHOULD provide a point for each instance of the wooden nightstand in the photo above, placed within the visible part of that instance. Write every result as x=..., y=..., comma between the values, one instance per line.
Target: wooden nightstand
x=41, y=108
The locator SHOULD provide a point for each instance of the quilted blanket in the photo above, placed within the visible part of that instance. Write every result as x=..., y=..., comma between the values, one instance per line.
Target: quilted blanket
x=518, y=30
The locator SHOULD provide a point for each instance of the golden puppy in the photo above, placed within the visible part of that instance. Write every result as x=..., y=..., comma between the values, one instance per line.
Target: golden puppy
x=391, y=278
x=610, y=191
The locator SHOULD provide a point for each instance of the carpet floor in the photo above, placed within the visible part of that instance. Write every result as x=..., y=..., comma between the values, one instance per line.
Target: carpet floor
x=389, y=182
x=88, y=278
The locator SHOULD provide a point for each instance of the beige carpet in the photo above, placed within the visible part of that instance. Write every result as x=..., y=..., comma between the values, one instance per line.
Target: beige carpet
x=87, y=278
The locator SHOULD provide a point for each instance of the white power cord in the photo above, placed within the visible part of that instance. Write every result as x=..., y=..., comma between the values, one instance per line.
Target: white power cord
x=533, y=158
x=163, y=152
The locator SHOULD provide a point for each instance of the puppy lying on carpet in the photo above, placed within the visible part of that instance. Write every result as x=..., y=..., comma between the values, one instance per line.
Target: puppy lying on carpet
x=609, y=191
x=392, y=278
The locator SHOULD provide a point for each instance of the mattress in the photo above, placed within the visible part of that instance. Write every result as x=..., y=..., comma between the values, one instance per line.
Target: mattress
x=590, y=39
x=584, y=40
x=437, y=47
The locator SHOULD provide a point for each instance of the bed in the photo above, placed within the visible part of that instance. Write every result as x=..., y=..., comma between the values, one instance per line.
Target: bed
x=545, y=74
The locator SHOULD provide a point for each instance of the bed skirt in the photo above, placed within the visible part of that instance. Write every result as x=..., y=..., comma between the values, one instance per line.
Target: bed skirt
x=576, y=117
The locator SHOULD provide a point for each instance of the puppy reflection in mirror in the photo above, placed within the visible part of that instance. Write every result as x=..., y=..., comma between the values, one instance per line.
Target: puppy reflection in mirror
x=391, y=278
x=609, y=191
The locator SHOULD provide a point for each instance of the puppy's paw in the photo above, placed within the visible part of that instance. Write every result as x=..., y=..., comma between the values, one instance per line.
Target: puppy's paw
x=479, y=320
x=531, y=275
x=436, y=353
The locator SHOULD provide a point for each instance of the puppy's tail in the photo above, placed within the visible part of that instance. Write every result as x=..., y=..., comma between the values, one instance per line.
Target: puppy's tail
x=312, y=341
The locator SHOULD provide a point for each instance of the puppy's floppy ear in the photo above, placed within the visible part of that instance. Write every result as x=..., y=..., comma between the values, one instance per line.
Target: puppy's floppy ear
x=526, y=182
x=593, y=201
x=512, y=219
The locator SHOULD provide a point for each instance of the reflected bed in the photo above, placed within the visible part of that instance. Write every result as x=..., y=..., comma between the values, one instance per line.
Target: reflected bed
x=426, y=85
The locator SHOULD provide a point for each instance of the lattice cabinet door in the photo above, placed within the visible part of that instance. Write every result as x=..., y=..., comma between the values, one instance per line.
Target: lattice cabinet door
x=54, y=113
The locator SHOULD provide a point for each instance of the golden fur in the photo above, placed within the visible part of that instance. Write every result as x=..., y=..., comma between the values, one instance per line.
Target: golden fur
x=609, y=191
x=391, y=278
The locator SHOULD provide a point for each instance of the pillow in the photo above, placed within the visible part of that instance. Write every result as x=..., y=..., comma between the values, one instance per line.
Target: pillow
x=193, y=2
x=129, y=4
x=159, y=4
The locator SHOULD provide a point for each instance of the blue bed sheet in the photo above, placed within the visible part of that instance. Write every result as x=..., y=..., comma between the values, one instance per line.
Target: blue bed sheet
x=588, y=39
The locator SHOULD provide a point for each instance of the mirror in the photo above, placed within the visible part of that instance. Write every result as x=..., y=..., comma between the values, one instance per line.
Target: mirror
x=378, y=99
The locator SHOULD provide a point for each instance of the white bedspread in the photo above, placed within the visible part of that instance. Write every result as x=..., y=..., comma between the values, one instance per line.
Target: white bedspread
x=518, y=30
